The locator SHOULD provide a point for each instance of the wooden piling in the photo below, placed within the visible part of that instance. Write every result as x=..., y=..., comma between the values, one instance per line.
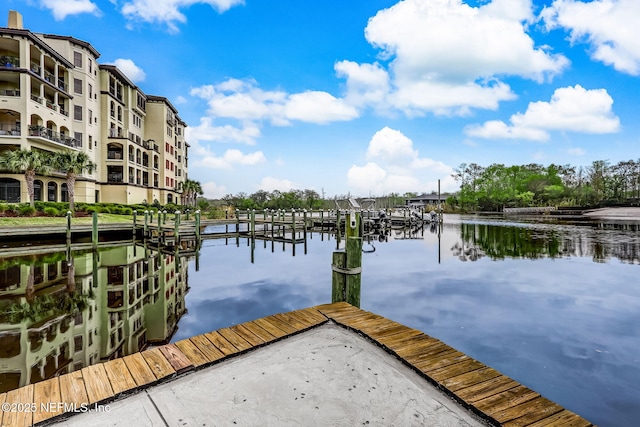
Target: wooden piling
x=176, y=233
x=94, y=230
x=198, y=226
x=145, y=230
x=135, y=223
x=68, y=226
x=347, y=265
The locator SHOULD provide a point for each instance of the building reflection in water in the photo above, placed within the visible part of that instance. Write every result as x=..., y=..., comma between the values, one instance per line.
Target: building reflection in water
x=62, y=312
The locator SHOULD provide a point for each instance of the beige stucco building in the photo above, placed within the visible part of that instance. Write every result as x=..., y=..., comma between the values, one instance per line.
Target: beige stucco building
x=54, y=95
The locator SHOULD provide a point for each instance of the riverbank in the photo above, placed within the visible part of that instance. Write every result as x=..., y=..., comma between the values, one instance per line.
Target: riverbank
x=630, y=213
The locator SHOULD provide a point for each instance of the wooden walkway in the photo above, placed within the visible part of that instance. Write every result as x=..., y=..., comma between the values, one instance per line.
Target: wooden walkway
x=493, y=396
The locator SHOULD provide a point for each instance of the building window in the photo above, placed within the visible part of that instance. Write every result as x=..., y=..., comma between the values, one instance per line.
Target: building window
x=78, y=137
x=52, y=192
x=77, y=59
x=64, y=193
x=37, y=190
x=90, y=113
x=77, y=112
x=77, y=86
x=9, y=190
x=90, y=65
x=119, y=113
x=90, y=90
x=90, y=142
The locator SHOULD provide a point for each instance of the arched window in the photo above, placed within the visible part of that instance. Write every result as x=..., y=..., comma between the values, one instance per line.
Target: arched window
x=10, y=190
x=37, y=190
x=52, y=192
x=64, y=193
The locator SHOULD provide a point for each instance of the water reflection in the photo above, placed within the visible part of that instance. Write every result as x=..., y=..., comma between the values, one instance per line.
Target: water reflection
x=600, y=241
x=64, y=311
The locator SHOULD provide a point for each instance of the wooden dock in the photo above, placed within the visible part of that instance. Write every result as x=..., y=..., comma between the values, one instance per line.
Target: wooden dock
x=494, y=397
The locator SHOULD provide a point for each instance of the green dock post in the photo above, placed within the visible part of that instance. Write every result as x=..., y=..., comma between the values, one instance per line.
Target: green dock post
x=338, y=230
x=146, y=223
x=94, y=230
x=68, y=225
x=135, y=222
x=176, y=233
x=150, y=216
x=164, y=216
x=186, y=215
x=347, y=265
x=253, y=224
x=198, y=225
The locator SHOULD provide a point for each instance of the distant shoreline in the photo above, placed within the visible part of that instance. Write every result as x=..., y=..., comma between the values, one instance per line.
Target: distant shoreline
x=614, y=213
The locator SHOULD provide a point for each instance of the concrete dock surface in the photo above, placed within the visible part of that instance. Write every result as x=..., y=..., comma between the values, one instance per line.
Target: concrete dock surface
x=327, y=376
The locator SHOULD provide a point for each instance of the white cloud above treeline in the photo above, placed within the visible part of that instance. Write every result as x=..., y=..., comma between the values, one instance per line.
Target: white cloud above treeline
x=169, y=12
x=447, y=57
x=572, y=108
x=60, y=9
x=608, y=26
x=394, y=165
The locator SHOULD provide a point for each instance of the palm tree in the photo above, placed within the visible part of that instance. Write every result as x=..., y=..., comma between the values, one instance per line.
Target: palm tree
x=191, y=190
x=28, y=161
x=73, y=163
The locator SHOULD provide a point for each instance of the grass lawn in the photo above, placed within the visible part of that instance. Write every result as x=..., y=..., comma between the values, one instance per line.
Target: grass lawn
x=103, y=218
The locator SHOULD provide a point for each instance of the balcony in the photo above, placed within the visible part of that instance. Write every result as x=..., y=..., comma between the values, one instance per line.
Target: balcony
x=36, y=98
x=62, y=85
x=63, y=111
x=35, y=68
x=9, y=129
x=9, y=61
x=43, y=132
x=114, y=177
x=115, y=133
x=114, y=155
x=9, y=92
x=51, y=105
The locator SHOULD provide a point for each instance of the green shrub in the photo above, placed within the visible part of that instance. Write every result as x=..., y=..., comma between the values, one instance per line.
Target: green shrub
x=92, y=209
x=51, y=211
x=4, y=207
x=26, y=210
x=126, y=211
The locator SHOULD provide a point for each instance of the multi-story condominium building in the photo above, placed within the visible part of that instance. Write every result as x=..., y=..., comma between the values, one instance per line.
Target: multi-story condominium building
x=54, y=96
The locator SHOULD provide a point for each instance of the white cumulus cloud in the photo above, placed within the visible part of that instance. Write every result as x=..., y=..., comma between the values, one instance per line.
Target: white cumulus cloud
x=229, y=159
x=207, y=131
x=169, y=11
x=63, y=8
x=608, y=26
x=572, y=108
x=447, y=57
x=270, y=183
x=130, y=69
x=394, y=165
x=213, y=191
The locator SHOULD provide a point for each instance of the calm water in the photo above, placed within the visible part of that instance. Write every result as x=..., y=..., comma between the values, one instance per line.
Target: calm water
x=554, y=306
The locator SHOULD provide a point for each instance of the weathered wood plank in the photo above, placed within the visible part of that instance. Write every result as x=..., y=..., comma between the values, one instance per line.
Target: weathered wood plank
x=207, y=348
x=514, y=396
x=238, y=342
x=221, y=343
x=97, y=383
x=283, y=326
x=45, y=395
x=421, y=346
x=119, y=376
x=72, y=389
x=313, y=314
x=440, y=360
x=140, y=371
x=192, y=352
x=158, y=364
x=456, y=369
x=247, y=336
x=389, y=330
x=393, y=341
x=470, y=378
x=176, y=358
x=285, y=323
x=270, y=327
x=486, y=389
x=258, y=331
x=563, y=418
x=292, y=321
x=20, y=417
x=306, y=319
x=528, y=412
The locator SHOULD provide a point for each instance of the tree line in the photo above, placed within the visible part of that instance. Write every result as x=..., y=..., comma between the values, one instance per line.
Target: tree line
x=497, y=186
x=261, y=199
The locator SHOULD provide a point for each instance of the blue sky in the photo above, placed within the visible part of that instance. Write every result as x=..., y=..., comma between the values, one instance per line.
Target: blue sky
x=372, y=97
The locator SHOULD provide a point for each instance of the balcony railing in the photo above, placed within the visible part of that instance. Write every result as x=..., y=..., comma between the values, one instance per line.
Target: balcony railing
x=62, y=85
x=51, y=105
x=9, y=129
x=114, y=155
x=51, y=135
x=114, y=177
x=63, y=111
x=9, y=61
x=115, y=133
x=36, y=98
x=36, y=68
x=48, y=76
x=9, y=92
